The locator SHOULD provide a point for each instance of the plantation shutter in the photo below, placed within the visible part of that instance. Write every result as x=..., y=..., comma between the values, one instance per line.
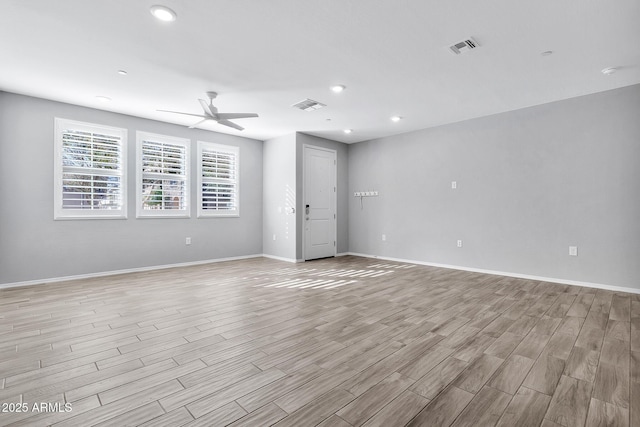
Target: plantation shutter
x=89, y=170
x=218, y=186
x=163, y=166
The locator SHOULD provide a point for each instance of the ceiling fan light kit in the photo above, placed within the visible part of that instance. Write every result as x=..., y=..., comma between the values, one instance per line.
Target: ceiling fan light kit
x=210, y=113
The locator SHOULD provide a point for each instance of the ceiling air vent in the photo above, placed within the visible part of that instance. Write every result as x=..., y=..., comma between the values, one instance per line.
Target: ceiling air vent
x=308, y=105
x=463, y=46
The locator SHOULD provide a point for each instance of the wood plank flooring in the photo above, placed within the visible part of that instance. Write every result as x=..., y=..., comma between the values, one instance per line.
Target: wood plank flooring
x=345, y=342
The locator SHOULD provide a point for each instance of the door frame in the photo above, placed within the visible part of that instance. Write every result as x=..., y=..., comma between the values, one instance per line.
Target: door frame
x=304, y=197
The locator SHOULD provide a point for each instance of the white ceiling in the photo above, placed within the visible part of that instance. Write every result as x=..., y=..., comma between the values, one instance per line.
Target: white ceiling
x=263, y=56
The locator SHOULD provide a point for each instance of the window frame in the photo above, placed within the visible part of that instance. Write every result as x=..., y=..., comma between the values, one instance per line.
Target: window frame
x=61, y=213
x=222, y=148
x=142, y=137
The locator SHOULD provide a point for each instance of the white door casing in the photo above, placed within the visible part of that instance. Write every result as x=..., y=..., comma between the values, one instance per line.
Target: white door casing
x=319, y=202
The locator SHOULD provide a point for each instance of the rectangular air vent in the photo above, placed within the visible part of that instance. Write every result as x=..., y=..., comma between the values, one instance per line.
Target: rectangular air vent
x=308, y=105
x=463, y=46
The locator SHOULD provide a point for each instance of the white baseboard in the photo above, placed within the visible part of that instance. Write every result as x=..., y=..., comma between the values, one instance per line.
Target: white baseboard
x=280, y=258
x=292, y=260
x=507, y=274
x=128, y=270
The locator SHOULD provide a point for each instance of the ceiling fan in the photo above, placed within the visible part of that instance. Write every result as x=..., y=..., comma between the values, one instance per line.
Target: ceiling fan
x=211, y=113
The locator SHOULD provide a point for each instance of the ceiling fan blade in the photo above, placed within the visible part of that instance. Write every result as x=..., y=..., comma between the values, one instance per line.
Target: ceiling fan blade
x=209, y=109
x=230, y=124
x=205, y=106
x=186, y=114
x=199, y=123
x=227, y=116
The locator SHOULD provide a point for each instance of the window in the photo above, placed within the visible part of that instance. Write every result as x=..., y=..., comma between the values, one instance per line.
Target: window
x=162, y=186
x=218, y=170
x=89, y=171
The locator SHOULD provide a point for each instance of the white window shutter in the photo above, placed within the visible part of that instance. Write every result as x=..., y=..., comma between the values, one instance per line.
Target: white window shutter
x=89, y=171
x=218, y=180
x=162, y=185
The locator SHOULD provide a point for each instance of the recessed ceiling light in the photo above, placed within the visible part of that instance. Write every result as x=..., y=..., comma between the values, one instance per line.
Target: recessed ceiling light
x=338, y=88
x=547, y=53
x=347, y=131
x=122, y=72
x=103, y=98
x=163, y=13
x=608, y=71
x=396, y=118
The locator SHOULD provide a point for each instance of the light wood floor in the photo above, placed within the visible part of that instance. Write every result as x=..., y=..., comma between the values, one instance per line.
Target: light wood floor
x=338, y=342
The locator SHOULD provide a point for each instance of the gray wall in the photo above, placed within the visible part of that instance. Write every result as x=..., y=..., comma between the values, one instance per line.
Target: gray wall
x=342, y=207
x=279, y=193
x=283, y=185
x=33, y=246
x=531, y=183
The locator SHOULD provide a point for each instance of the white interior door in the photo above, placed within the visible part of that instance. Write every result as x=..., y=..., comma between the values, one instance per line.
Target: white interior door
x=319, y=213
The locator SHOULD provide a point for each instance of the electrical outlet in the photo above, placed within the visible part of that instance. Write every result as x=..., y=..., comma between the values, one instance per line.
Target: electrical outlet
x=384, y=237
x=274, y=237
x=187, y=241
x=573, y=250
x=459, y=243
x=454, y=185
